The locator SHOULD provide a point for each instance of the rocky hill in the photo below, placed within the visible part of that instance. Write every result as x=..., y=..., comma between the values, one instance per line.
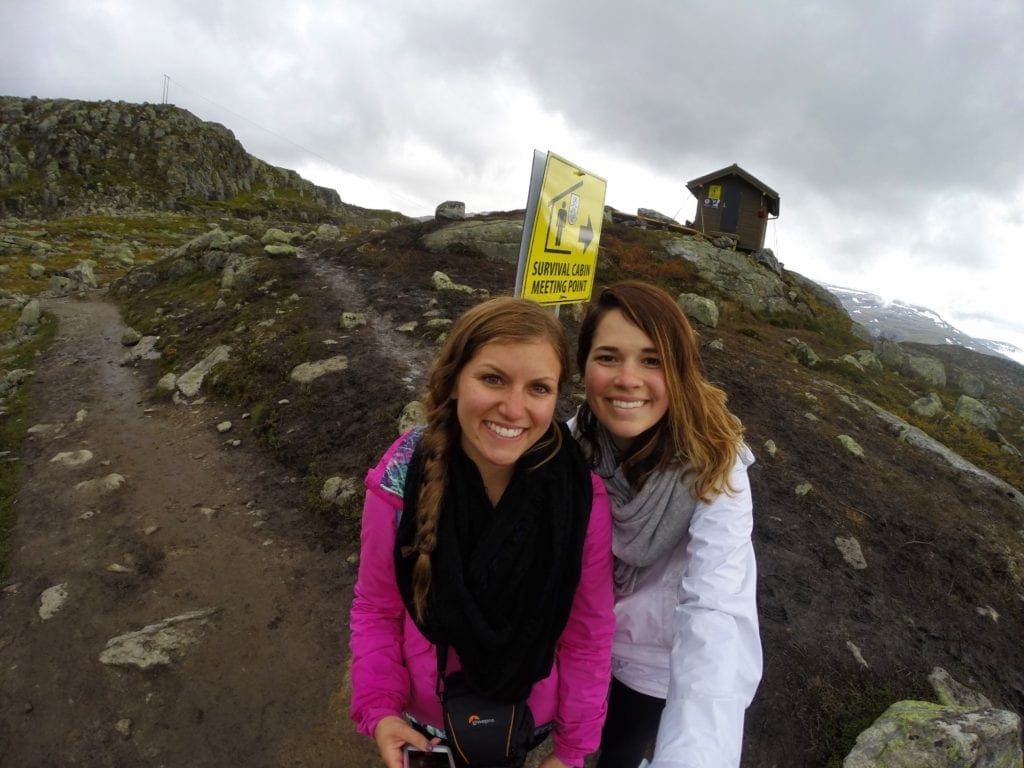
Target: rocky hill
x=889, y=524
x=73, y=156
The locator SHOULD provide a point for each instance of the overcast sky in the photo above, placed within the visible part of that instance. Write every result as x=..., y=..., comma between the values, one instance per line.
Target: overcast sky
x=893, y=131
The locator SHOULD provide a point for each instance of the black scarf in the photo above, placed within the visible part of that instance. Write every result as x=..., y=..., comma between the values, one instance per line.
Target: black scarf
x=502, y=578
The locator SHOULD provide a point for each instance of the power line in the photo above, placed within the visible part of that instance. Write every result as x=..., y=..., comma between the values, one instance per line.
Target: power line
x=333, y=164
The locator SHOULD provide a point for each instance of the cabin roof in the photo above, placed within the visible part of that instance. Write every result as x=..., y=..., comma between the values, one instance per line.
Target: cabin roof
x=735, y=170
x=732, y=170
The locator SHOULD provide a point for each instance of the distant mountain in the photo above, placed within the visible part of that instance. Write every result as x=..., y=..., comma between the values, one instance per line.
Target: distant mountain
x=900, y=321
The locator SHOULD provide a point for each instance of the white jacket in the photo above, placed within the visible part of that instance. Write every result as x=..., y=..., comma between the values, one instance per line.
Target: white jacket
x=689, y=633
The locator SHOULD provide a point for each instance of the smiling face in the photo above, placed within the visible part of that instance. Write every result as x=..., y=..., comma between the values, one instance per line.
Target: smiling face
x=505, y=402
x=624, y=379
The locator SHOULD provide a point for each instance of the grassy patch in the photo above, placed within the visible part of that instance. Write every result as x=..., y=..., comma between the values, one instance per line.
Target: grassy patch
x=12, y=430
x=630, y=253
x=65, y=243
x=846, y=712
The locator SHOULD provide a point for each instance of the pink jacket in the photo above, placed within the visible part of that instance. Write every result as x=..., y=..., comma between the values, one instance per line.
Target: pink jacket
x=394, y=667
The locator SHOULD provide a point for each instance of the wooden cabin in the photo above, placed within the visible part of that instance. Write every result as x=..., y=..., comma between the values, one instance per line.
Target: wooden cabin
x=733, y=202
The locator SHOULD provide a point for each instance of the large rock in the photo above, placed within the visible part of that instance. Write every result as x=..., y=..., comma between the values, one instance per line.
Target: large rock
x=920, y=734
x=868, y=360
x=239, y=271
x=153, y=645
x=968, y=383
x=735, y=275
x=924, y=368
x=278, y=236
x=766, y=256
x=30, y=316
x=497, y=239
x=804, y=353
x=450, y=210
x=975, y=412
x=890, y=354
x=927, y=407
x=214, y=239
x=698, y=308
x=190, y=382
x=304, y=373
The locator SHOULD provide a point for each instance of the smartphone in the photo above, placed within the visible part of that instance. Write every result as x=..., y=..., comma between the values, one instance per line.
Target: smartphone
x=438, y=757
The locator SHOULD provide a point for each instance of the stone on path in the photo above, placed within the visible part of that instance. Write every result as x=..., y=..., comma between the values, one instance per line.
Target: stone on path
x=152, y=645
x=52, y=600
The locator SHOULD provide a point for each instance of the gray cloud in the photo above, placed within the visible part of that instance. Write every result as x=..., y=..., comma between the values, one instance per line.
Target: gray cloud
x=896, y=122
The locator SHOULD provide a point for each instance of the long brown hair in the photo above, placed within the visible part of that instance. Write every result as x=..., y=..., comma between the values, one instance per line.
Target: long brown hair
x=497, y=320
x=698, y=433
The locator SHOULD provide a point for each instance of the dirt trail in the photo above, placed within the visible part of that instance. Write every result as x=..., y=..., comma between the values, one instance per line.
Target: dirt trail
x=197, y=525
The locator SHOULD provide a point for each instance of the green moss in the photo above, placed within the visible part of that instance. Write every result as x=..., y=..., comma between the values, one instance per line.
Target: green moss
x=23, y=187
x=8, y=319
x=12, y=431
x=846, y=712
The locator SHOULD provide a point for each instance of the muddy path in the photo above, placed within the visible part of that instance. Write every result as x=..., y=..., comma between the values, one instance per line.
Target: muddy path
x=198, y=528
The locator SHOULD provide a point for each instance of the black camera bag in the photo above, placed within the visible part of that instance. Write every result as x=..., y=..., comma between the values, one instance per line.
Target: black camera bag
x=482, y=732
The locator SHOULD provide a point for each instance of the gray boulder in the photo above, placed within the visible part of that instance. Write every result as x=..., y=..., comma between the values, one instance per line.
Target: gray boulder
x=975, y=412
x=732, y=274
x=921, y=733
x=327, y=232
x=890, y=353
x=496, y=239
x=413, y=413
x=804, y=354
x=277, y=236
x=351, y=320
x=304, y=373
x=280, y=249
x=190, y=382
x=30, y=316
x=698, y=308
x=868, y=359
x=927, y=407
x=766, y=257
x=925, y=368
x=239, y=271
x=450, y=210
x=214, y=239
x=968, y=383
x=153, y=645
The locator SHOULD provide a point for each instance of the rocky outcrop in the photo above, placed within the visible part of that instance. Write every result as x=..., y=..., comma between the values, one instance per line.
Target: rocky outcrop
x=450, y=210
x=497, y=239
x=154, y=644
x=964, y=730
x=699, y=308
x=755, y=285
x=93, y=156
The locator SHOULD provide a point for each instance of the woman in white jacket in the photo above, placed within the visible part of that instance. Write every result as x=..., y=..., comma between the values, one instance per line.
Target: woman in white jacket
x=687, y=654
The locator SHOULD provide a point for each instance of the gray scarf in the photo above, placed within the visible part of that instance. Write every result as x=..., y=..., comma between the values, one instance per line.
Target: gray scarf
x=648, y=524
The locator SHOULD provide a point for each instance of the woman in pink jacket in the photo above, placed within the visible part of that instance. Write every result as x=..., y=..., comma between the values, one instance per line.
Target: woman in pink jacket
x=484, y=532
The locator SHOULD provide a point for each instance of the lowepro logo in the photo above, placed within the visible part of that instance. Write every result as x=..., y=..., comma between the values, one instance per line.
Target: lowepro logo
x=476, y=721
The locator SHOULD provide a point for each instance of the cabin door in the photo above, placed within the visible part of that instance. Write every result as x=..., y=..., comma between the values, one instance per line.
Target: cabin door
x=730, y=205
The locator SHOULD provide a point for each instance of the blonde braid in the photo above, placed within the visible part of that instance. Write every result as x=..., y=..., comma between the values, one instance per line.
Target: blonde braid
x=435, y=445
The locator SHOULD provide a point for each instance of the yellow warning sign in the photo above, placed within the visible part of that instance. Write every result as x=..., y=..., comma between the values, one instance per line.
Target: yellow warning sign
x=566, y=232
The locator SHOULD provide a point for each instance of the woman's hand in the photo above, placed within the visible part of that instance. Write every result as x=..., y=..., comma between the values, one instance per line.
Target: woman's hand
x=552, y=762
x=392, y=733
